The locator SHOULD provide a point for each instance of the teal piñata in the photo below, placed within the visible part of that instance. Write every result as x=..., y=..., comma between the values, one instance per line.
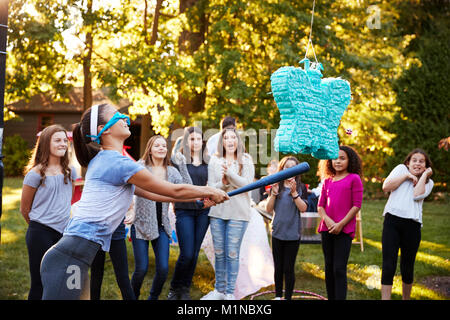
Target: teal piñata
x=310, y=109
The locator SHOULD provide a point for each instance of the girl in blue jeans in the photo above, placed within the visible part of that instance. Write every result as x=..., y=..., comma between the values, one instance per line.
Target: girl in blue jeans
x=229, y=169
x=191, y=221
x=151, y=222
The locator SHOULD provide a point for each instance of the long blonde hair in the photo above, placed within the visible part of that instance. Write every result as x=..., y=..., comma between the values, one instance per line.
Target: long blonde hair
x=41, y=154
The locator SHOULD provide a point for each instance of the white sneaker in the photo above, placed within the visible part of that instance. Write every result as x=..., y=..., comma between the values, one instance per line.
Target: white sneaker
x=230, y=296
x=214, y=295
x=277, y=298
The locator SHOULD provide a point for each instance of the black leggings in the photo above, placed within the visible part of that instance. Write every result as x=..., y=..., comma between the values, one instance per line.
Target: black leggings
x=39, y=239
x=119, y=259
x=284, y=255
x=336, y=250
x=404, y=234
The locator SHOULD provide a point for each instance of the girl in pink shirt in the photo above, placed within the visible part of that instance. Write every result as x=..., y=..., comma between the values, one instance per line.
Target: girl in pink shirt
x=339, y=202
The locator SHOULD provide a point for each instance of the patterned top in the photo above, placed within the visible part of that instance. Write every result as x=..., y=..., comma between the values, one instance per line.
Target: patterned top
x=146, y=222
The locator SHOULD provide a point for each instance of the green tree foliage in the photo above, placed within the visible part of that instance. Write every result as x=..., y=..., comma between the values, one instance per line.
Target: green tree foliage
x=33, y=63
x=145, y=69
x=422, y=90
x=182, y=61
x=223, y=52
x=50, y=41
x=16, y=152
x=246, y=41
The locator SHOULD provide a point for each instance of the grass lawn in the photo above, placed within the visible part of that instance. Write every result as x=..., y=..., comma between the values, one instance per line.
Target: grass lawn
x=364, y=268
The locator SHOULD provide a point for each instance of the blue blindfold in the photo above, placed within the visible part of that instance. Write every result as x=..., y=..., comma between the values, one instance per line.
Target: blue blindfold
x=117, y=116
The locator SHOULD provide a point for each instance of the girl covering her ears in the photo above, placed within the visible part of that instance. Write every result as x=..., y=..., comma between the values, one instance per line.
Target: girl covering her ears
x=111, y=179
x=409, y=184
x=46, y=194
x=340, y=200
x=287, y=199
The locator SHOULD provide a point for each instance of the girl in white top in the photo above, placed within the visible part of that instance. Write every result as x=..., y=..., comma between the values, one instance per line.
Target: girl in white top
x=409, y=183
x=229, y=169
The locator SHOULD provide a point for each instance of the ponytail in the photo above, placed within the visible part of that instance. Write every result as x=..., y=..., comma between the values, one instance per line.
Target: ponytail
x=84, y=152
x=85, y=149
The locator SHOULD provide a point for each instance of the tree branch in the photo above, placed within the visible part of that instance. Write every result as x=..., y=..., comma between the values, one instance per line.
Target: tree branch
x=156, y=22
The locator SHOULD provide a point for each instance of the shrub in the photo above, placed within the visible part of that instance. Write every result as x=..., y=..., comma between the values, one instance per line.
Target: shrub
x=16, y=155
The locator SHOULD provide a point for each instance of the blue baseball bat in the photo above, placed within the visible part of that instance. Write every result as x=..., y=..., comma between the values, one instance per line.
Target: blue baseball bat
x=273, y=178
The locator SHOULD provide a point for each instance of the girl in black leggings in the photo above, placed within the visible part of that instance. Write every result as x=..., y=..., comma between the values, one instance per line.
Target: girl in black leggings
x=46, y=196
x=409, y=183
x=119, y=259
x=340, y=200
x=286, y=202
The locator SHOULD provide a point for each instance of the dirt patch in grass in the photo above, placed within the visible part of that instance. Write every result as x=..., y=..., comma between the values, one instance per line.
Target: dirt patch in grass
x=439, y=284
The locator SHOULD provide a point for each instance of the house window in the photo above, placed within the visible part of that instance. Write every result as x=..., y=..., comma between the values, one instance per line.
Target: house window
x=45, y=120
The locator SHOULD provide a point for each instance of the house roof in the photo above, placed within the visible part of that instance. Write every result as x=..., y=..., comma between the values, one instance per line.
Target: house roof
x=74, y=104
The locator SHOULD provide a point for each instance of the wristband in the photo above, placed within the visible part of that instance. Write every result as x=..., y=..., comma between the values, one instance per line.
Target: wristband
x=293, y=198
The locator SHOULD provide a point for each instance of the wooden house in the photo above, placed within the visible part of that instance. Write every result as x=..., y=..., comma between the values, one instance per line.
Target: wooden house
x=42, y=111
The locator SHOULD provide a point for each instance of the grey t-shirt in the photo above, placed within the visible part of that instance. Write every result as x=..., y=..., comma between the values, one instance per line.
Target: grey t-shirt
x=106, y=197
x=51, y=203
x=286, y=224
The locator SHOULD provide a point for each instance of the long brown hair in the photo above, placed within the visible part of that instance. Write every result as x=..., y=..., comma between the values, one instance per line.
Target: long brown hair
x=184, y=147
x=147, y=157
x=41, y=154
x=240, y=150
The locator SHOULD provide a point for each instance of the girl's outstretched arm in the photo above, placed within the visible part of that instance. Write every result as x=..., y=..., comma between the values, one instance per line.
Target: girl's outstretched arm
x=144, y=179
x=157, y=197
